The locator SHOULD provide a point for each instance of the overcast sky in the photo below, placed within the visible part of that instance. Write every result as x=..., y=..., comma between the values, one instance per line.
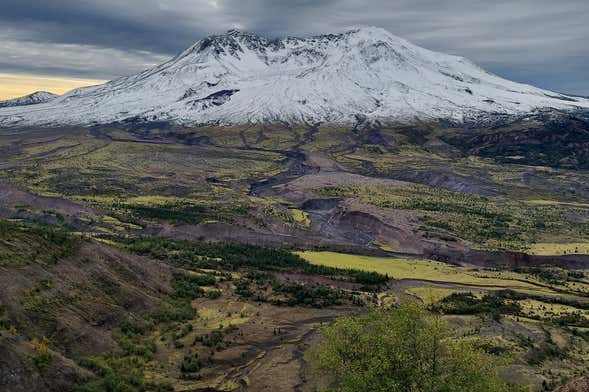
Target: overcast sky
x=542, y=42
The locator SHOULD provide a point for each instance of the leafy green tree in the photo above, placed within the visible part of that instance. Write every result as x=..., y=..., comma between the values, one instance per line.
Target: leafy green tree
x=406, y=349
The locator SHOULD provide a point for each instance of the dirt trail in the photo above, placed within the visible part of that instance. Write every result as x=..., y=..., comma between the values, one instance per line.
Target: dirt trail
x=279, y=359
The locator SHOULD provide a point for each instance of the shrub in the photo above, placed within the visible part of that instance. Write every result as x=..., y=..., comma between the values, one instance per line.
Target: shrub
x=406, y=349
x=41, y=355
x=467, y=303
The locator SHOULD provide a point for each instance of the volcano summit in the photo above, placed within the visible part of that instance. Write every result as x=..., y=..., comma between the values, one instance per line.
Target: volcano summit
x=237, y=77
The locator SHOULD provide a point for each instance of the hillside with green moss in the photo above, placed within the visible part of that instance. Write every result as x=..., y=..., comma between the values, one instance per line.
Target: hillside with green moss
x=168, y=258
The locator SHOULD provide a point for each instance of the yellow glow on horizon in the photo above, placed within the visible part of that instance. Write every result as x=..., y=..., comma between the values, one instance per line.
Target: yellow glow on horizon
x=17, y=85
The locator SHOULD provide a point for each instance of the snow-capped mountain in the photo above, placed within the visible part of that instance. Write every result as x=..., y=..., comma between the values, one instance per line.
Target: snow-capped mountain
x=31, y=99
x=240, y=78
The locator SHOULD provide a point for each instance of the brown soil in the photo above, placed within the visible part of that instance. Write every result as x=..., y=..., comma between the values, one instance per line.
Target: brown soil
x=264, y=353
x=579, y=385
x=75, y=304
x=11, y=198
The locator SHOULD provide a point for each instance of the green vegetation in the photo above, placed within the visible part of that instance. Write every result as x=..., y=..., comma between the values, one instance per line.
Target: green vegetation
x=404, y=349
x=559, y=310
x=126, y=168
x=467, y=303
x=215, y=339
x=256, y=285
x=416, y=269
x=123, y=369
x=555, y=276
x=188, y=286
x=431, y=295
x=191, y=364
x=41, y=355
x=559, y=248
x=553, y=310
x=175, y=213
x=22, y=245
x=115, y=185
x=301, y=217
x=116, y=375
x=233, y=256
x=546, y=350
x=493, y=223
x=310, y=295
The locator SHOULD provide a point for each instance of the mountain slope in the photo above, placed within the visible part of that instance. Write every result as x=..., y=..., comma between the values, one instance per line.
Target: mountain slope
x=31, y=99
x=240, y=77
x=61, y=298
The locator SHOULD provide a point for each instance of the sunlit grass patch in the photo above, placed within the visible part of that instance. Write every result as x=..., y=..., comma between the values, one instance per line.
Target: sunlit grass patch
x=53, y=146
x=384, y=247
x=155, y=200
x=119, y=225
x=424, y=270
x=301, y=217
x=555, y=202
x=546, y=310
x=559, y=249
x=215, y=317
x=396, y=268
x=429, y=295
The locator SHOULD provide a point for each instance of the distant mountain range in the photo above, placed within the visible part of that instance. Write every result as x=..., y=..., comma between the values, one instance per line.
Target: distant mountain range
x=31, y=99
x=238, y=77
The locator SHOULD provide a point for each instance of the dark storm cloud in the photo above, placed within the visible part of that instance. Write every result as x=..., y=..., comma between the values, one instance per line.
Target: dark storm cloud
x=543, y=42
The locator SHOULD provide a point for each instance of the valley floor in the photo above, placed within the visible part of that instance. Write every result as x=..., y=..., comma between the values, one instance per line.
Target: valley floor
x=118, y=250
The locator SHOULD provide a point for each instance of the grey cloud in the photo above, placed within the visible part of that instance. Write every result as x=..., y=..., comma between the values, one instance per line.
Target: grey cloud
x=73, y=60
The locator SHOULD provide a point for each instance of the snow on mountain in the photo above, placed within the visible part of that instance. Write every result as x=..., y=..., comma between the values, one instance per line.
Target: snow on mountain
x=31, y=99
x=240, y=78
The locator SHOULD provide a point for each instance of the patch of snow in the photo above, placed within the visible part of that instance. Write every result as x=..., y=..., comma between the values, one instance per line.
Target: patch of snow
x=31, y=99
